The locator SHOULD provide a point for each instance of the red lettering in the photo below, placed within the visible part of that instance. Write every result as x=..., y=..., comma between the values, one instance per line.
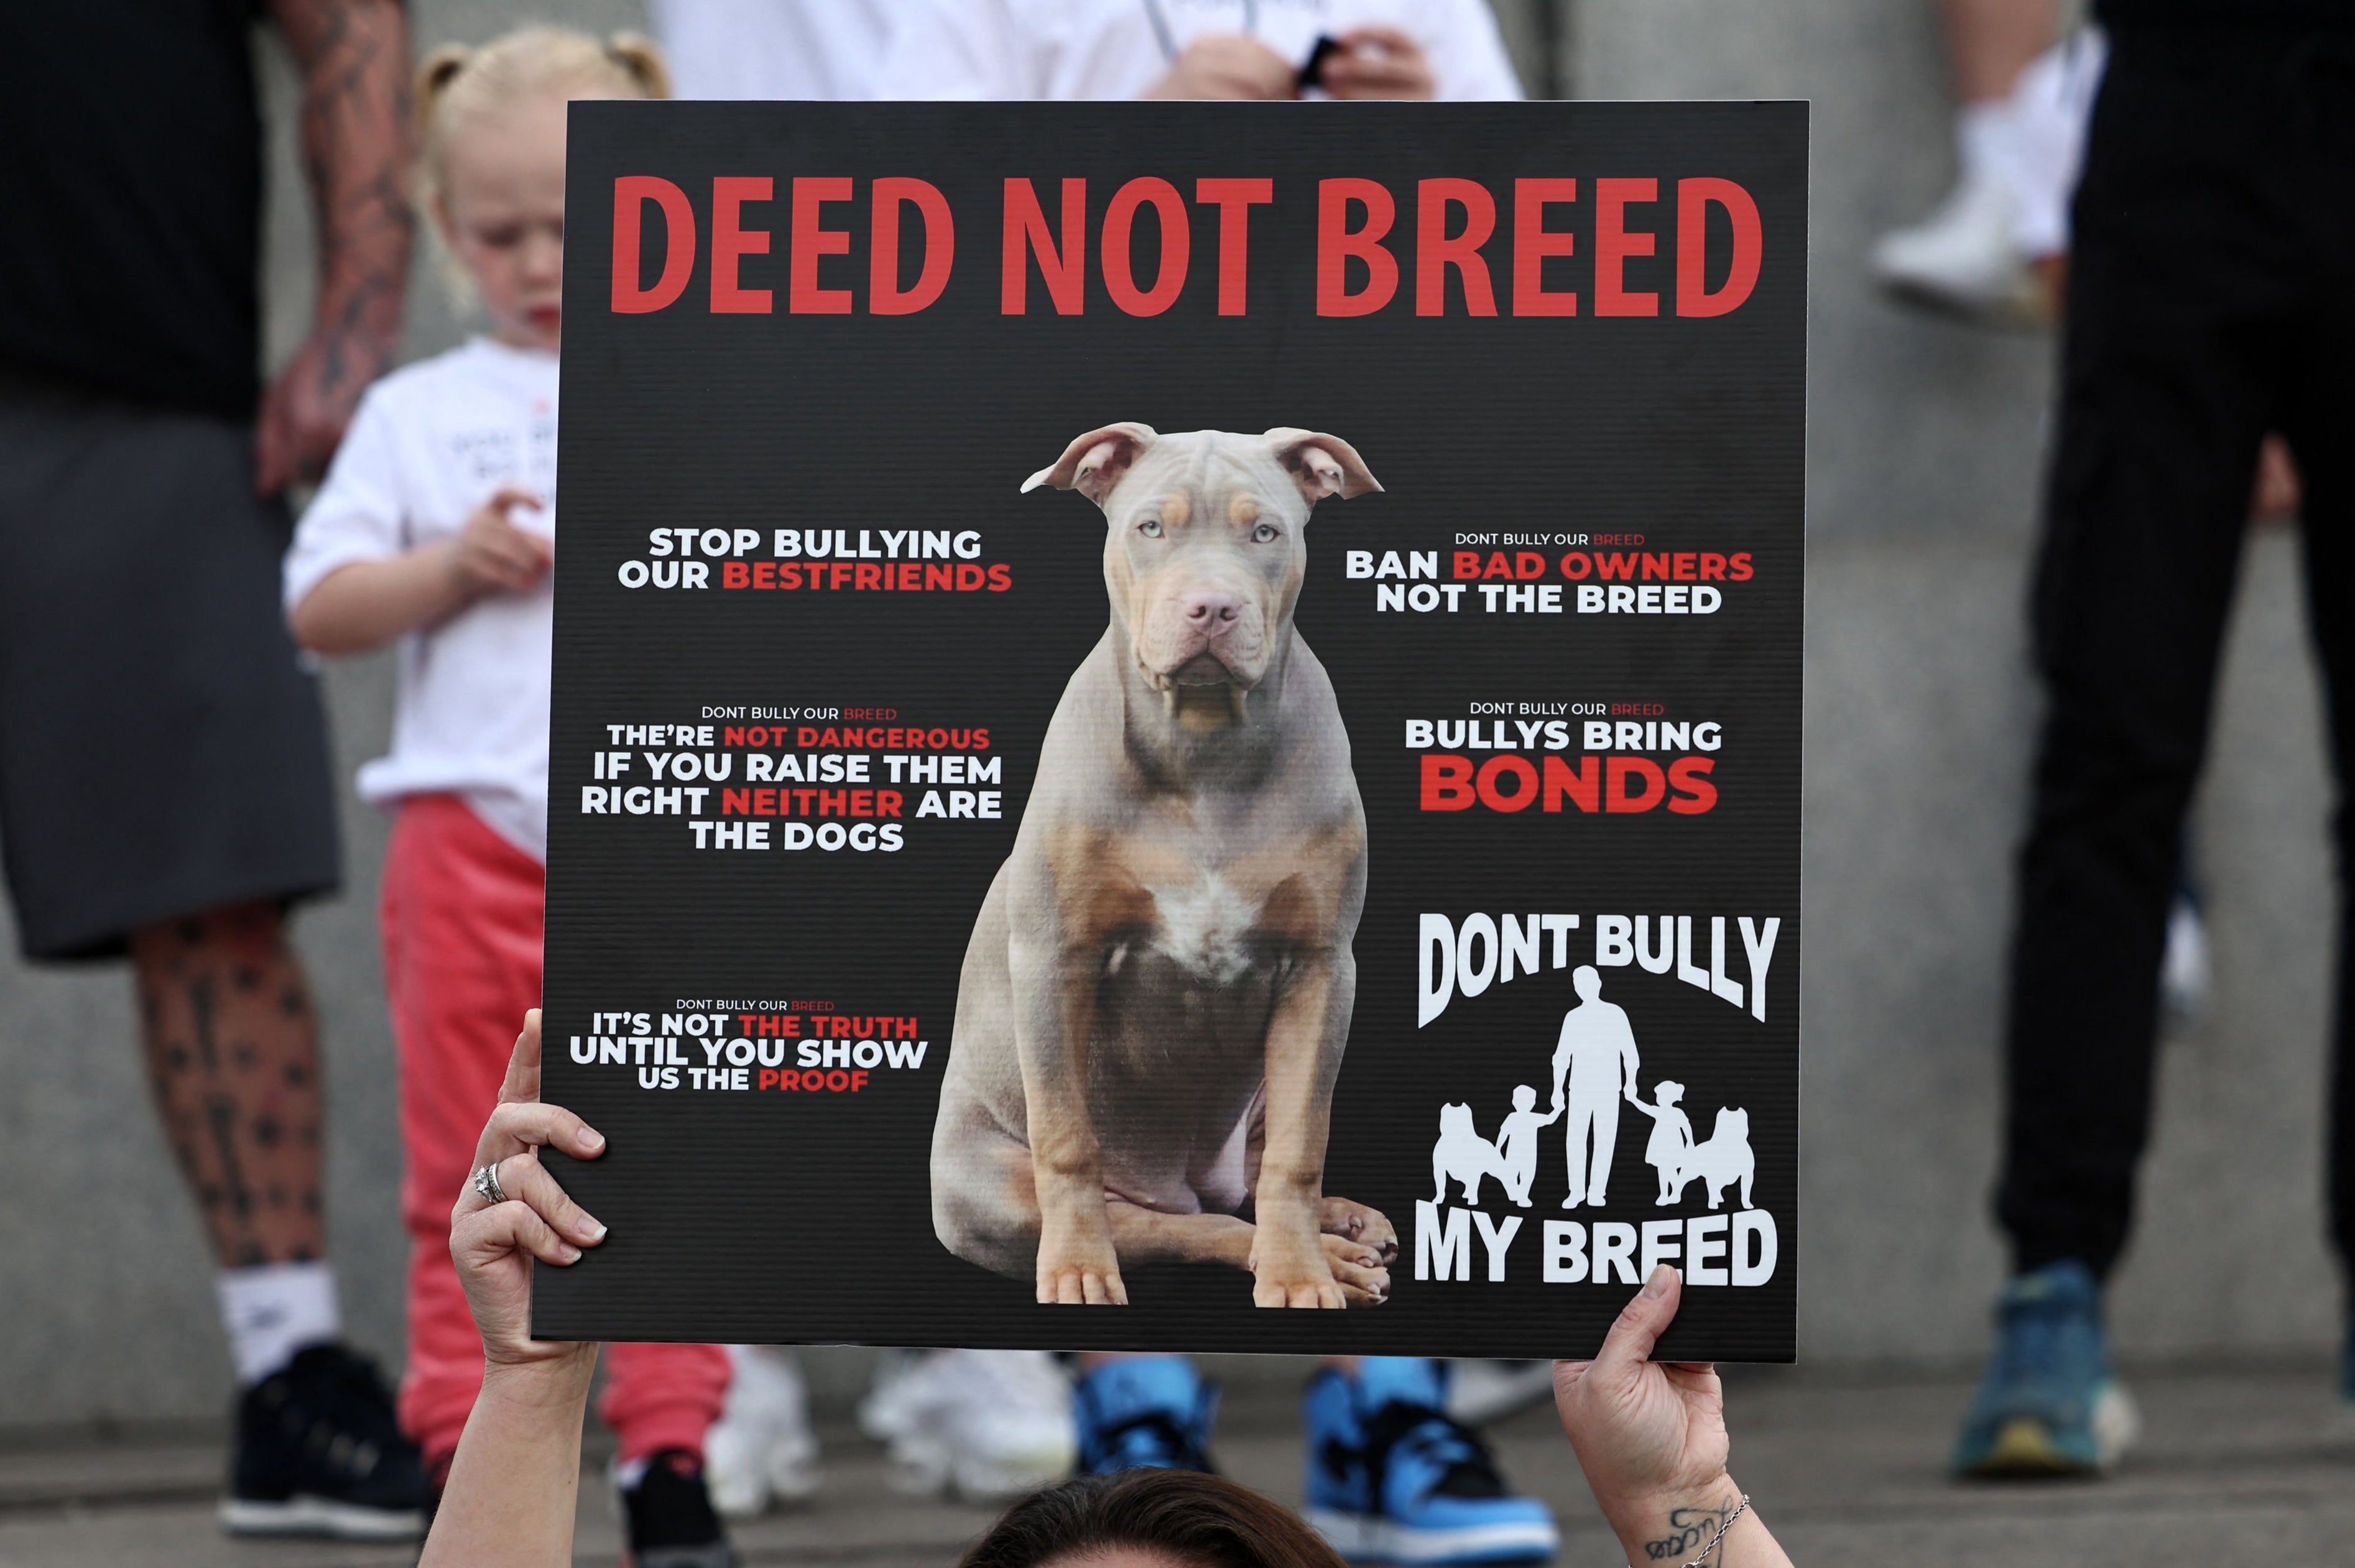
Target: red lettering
x=1655, y=565
x=1234, y=199
x=1446, y=783
x=735, y=575
x=1621, y=568
x=768, y=1079
x=1613, y=243
x=1466, y=565
x=1694, y=198
x=939, y=580
x=884, y=295
x=1434, y=252
x=1336, y=243
x=1584, y=788
x=1689, y=776
x=731, y=241
x=1740, y=561
x=1177, y=243
x=764, y=574
x=735, y=802
x=812, y=241
x=1576, y=565
x=1652, y=784
x=969, y=578
x=1525, y=783
x=1001, y=577
x=1063, y=268
x=1532, y=243
x=869, y=577
x=1497, y=567
x=631, y=193
x=1683, y=562
x=1528, y=563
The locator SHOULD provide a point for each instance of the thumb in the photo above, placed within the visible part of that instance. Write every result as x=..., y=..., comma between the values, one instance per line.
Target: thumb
x=1640, y=1324
x=522, y=1083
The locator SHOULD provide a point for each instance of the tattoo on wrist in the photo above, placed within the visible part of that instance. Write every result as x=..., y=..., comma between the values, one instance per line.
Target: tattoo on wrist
x=1689, y=1532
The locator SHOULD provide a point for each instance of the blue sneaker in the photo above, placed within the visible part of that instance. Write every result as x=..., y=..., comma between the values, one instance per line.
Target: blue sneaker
x=1144, y=1412
x=2050, y=1405
x=1391, y=1479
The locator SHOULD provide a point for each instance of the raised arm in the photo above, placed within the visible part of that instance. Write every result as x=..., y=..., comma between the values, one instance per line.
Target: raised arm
x=1650, y=1436
x=353, y=56
x=513, y=1486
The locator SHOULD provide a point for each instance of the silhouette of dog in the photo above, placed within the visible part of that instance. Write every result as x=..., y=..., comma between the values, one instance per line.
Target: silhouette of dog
x=1463, y=1155
x=1724, y=1159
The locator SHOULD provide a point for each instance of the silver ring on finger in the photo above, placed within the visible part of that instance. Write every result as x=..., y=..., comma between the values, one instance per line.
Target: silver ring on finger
x=486, y=1182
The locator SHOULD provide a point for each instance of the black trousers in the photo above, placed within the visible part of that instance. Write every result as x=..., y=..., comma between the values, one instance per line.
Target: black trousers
x=2212, y=299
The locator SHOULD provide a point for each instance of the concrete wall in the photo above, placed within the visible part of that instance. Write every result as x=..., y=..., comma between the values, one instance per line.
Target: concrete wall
x=1925, y=446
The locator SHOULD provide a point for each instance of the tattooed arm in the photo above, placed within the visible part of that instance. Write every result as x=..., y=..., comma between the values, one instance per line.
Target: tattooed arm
x=353, y=60
x=1651, y=1437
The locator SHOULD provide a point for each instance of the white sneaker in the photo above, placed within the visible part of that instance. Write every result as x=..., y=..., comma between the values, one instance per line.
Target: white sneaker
x=1962, y=257
x=985, y=1425
x=894, y=1396
x=1479, y=1392
x=762, y=1447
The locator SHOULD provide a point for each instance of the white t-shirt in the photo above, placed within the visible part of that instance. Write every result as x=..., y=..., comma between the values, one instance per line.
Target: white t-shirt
x=1062, y=49
x=430, y=444
x=825, y=49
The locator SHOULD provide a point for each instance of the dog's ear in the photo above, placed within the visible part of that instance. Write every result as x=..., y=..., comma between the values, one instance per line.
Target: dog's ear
x=1094, y=463
x=1321, y=465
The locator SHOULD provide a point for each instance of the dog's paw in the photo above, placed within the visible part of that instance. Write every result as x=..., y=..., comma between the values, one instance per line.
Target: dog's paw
x=1284, y=1274
x=1079, y=1270
x=1358, y=1270
x=1355, y=1222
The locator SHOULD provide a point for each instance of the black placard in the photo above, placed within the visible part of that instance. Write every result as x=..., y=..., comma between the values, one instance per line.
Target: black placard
x=812, y=631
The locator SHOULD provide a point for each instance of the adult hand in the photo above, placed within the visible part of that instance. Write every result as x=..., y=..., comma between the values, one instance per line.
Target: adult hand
x=305, y=410
x=495, y=1245
x=491, y=555
x=1650, y=1436
x=1228, y=65
x=1378, y=62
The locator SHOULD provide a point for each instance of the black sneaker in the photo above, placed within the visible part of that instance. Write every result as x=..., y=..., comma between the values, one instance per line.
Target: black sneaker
x=669, y=1518
x=319, y=1453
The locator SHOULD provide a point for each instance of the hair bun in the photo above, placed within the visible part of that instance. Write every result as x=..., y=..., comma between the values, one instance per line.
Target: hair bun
x=642, y=59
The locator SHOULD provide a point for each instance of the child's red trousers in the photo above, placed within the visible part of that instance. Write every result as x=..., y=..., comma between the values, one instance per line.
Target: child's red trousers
x=461, y=918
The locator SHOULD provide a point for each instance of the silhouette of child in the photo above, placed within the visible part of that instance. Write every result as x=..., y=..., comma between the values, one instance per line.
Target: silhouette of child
x=1671, y=1139
x=1517, y=1144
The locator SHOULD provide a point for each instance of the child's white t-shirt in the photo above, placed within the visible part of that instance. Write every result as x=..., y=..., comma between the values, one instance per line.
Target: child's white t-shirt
x=430, y=443
x=1063, y=49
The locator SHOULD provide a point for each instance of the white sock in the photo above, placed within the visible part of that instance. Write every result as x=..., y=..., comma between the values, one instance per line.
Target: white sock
x=1984, y=141
x=272, y=1311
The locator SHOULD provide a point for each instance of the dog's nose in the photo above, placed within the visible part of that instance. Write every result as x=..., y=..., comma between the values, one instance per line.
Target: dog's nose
x=1212, y=613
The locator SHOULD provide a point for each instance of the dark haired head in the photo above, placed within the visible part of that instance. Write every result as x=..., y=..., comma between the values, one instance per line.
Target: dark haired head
x=1201, y=1521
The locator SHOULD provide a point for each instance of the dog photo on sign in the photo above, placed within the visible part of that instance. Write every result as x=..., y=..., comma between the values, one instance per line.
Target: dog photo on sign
x=1158, y=992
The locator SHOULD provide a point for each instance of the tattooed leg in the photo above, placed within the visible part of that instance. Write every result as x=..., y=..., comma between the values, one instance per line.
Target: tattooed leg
x=233, y=1062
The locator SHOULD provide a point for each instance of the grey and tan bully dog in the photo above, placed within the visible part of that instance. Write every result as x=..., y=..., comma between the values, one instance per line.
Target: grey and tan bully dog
x=1159, y=988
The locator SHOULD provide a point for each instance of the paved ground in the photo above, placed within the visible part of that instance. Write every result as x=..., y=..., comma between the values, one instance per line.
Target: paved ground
x=2233, y=1469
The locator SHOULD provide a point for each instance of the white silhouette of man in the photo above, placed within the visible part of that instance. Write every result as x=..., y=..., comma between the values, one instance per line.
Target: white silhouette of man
x=1597, y=1052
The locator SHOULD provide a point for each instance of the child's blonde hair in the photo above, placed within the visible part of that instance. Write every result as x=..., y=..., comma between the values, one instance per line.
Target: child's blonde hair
x=458, y=81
